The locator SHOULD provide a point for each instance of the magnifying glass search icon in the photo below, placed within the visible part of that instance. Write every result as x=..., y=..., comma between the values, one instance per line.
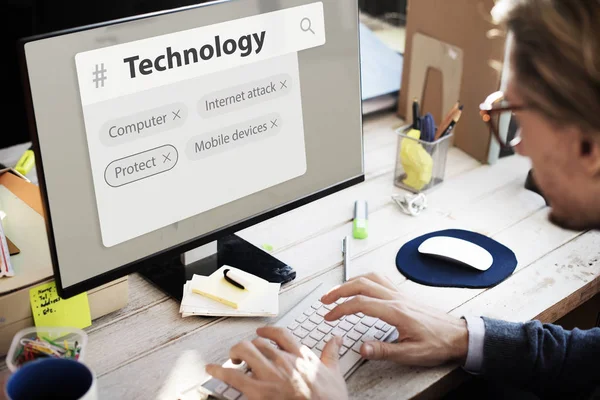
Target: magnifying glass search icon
x=306, y=25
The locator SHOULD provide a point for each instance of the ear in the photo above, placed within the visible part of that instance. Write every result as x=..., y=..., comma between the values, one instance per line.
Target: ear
x=590, y=154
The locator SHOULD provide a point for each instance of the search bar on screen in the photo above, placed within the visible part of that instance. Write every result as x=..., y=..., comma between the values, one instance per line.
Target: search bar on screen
x=131, y=67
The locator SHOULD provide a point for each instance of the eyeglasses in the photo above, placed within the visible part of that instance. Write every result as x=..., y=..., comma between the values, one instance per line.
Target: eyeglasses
x=497, y=112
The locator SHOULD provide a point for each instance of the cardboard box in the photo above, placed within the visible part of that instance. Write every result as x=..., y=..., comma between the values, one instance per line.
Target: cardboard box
x=24, y=225
x=461, y=26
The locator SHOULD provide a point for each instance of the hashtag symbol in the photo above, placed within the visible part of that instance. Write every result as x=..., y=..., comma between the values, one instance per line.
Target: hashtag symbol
x=99, y=75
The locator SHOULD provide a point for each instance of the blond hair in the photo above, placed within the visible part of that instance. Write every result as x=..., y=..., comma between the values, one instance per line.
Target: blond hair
x=555, y=57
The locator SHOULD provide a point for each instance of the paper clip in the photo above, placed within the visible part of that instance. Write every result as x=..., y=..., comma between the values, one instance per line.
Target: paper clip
x=411, y=204
x=32, y=349
x=41, y=347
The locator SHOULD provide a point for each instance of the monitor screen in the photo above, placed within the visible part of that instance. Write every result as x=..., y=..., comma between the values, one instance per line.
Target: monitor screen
x=155, y=132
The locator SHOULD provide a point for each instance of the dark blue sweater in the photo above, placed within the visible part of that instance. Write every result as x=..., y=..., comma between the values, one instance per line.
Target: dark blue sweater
x=542, y=358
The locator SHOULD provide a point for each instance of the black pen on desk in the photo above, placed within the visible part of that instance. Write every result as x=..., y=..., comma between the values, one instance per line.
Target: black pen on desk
x=234, y=280
x=346, y=252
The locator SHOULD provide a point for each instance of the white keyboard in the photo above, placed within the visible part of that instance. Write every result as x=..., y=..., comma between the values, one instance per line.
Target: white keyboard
x=305, y=321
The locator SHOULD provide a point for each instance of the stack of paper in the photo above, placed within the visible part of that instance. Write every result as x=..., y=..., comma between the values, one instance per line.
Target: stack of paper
x=214, y=296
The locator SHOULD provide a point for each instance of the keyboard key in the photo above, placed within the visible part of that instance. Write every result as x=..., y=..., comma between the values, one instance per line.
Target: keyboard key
x=231, y=394
x=357, y=346
x=354, y=335
x=379, y=335
x=309, y=326
x=292, y=326
x=301, y=332
x=361, y=328
x=353, y=319
x=349, y=360
x=359, y=315
x=321, y=345
x=370, y=335
x=316, y=305
x=368, y=321
x=340, y=300
x=330, y=306
x=322, y=311
x=343, y=350
x=345, y=326
x=327, y=337
x=324, y=328
x=221, y=388
x=309, y=312
x=315, y=319
x=317, y=352
x=338, y=332
x=309, y=342
x=317, y=335
x=386, y=327
x=333, y=323
x=379, y=324
x=301, y=318
x=348, y=342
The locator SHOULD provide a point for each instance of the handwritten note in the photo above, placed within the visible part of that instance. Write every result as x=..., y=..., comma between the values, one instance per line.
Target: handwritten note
x=50, y=310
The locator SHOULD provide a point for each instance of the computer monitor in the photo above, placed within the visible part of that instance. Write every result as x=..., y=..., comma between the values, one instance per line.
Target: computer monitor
x=160, y=133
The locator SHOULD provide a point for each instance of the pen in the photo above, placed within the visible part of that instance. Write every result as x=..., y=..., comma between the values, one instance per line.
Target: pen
x=415, y=107
x=232, y=279
x=346, y=252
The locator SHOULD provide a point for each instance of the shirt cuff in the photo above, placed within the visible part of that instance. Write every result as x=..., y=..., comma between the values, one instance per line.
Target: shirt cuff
x=476, y=329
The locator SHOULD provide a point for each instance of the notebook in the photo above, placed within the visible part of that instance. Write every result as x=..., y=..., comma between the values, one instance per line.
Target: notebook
x=214, y=296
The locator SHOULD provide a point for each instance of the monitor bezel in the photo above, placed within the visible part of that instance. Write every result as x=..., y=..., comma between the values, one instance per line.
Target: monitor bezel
x=172, y=251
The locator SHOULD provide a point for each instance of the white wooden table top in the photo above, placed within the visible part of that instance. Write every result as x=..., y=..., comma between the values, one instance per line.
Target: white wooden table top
x=147, y=350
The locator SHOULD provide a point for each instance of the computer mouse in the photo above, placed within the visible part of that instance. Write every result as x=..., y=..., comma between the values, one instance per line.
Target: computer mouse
x=457, y=250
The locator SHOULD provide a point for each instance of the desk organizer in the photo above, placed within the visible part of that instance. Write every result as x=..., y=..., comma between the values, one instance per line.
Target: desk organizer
x=33, y=343
x=420, y=165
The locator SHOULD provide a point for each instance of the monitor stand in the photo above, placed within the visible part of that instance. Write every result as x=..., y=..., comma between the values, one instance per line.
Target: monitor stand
x=230, y=250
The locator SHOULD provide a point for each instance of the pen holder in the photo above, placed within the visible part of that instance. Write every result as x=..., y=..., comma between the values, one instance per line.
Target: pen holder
x=420, y=165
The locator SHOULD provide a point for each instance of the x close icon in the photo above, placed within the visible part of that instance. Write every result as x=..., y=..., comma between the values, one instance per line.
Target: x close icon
x=274, y=123
x=176, y=114
x=167, y=157
x=283, y=84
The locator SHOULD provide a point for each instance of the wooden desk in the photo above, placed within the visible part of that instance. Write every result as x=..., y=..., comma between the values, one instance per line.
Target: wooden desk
x=148, y=351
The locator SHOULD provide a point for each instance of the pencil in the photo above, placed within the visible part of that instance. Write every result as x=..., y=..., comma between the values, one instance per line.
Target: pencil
x=454, y=121
x=446, y=121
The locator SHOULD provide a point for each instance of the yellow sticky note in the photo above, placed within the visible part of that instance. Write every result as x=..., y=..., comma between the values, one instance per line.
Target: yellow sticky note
x=50, y=310
x=215, y=287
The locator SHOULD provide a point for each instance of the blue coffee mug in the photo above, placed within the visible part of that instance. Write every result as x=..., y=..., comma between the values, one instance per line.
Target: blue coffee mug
x=52, y=378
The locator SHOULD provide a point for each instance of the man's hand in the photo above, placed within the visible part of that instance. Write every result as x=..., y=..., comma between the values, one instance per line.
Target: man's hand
x=427, y=337
x=290, y=372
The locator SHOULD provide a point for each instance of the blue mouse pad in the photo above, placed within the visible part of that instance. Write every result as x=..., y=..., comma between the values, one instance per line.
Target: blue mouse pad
x=431, y=271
